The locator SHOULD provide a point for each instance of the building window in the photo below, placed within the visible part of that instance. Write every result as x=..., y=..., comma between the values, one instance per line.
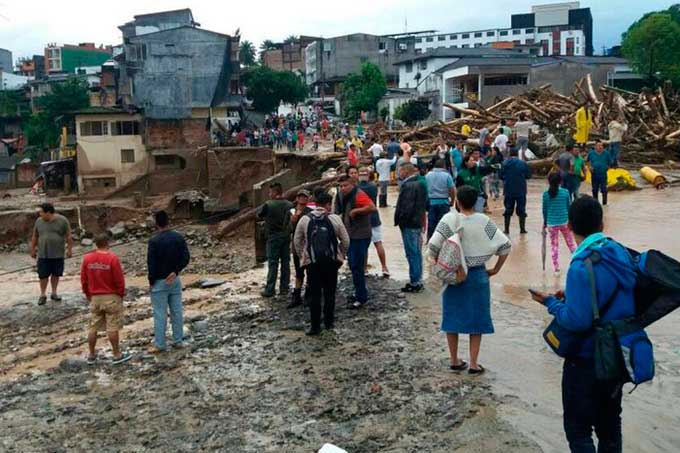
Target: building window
x=141, y=51
x=509, y=79
x=423, y=64
x=169, y=161
x=233, y=87
x=409, y=67
x=419, y=39
x=464, y=46
x=490, y=33
x=453, y=36
x=478, y=44
x=382, y=46
x=478, y=34
x=89, y=128
x=545, y=29
x=504, y=33
x=516, y=32
x=465, y=35
x=529, y=41
x=441, y=38
x=429, y=39
x=529, y=30
x=125, y=128
x=127, y=156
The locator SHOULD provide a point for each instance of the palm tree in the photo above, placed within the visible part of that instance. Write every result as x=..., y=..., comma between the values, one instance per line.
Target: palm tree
x=247, y=53
x=267, y=44
x=290, y=39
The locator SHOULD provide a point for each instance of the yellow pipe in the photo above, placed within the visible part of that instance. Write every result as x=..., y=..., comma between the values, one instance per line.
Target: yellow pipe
x=653, y=176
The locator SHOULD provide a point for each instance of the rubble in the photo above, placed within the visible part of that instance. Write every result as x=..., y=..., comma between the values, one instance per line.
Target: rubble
x=653, y=119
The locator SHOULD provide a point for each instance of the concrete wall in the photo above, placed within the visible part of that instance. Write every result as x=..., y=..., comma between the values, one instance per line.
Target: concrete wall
x=232, y=172
x=408, y=79
x=180, y=69
x=176, y=133
x=100, y=156
x=193, y=174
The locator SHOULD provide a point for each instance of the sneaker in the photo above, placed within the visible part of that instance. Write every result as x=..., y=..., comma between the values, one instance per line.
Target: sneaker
x=407, y=289
x=313, y=332
x=557, y=273
x=155, y=350
x=124, y=357
x=55, y=297
x=418, y=288
x=266, y=294
x=91, y=360
x=179, y=345
x=42, y=300
x=356, y=305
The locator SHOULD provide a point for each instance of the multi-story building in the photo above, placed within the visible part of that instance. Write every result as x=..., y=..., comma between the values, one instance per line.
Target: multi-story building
x=329, y=61
x=65, y=59
x=32, y=67
x=288, y=56
x=559, y=28
x=5, y=60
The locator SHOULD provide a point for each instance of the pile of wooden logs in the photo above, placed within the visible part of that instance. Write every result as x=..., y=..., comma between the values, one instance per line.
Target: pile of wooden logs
x=653, y=119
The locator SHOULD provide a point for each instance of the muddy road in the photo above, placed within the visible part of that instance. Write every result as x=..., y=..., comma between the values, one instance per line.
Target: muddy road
x=251, y=381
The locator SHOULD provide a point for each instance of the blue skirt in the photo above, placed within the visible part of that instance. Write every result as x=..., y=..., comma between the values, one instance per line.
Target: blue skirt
x=466, y=308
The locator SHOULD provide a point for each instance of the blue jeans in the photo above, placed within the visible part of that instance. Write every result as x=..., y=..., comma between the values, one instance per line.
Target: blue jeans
x=614, y=150
x=164, y=297
x=356, y=258
x=599, y=183
x=434, y=215
x=413, y=243
x=589, y=403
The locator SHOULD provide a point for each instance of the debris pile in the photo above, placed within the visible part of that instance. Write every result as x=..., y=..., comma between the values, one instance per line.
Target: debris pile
x=653, y=119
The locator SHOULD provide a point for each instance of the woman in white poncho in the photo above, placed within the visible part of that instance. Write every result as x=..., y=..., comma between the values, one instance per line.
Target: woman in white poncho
x=466, y=307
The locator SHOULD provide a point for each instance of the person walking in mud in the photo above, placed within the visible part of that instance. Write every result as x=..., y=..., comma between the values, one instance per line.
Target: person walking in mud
x=301, y=209
x=466, y=307
x=103, y=283
x=409, y=216
x=514, y=174
x=51, y=235
x=276, y=215
x=167, y=256
x=321, y=241
x=556, y=202
x=356, y=208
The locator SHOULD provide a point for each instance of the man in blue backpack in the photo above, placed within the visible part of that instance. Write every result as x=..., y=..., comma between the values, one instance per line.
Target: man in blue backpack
x=588, y=402
x=321, y=241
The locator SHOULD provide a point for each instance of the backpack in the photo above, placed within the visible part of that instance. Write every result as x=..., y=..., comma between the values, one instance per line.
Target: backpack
x=450, y=261
x=322, y=244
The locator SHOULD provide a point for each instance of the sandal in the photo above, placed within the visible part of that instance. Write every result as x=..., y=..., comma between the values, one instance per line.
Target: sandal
x=476, y=371
x=91, y=360
x=124, y=357
x=386, y=274
x=460, y=367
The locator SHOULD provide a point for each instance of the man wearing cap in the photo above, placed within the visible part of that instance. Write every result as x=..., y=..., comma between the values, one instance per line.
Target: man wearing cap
x=301, y=209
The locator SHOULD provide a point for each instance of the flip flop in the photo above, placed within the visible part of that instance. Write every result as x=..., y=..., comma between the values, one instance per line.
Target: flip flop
x=386, y=275
x=92, y=360
x=124, y=357
x=460, y=367
x=476, y=372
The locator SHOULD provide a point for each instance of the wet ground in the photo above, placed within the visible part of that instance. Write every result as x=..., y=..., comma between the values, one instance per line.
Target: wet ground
x=251, y=381
x=524, y=373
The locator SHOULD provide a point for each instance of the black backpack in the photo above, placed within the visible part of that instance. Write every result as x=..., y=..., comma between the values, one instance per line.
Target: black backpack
x=322, y=244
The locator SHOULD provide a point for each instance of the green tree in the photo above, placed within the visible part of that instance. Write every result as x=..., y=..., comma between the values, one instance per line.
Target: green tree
x=412, y=111
x=246, y=53
x=290, y=39
x=266, y=45
x=56, y=110
x=652, y=45
x=266, y=87
x=363, y=91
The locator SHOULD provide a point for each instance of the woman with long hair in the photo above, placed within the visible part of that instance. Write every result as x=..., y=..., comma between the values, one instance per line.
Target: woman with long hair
x=556, y=201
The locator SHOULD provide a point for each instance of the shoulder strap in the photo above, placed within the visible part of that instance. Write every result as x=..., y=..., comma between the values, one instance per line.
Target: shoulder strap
x=595, y=258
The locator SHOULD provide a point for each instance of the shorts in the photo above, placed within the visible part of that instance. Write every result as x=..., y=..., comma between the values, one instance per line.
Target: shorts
x=50, y=267
x=376, y=234
x=299, y=271
x=106, y=312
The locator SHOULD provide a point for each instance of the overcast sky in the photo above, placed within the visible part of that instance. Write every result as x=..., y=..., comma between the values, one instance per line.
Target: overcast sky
x=27, y=25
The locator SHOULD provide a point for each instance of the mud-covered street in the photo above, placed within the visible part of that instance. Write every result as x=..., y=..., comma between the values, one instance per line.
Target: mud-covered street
x=250, y=379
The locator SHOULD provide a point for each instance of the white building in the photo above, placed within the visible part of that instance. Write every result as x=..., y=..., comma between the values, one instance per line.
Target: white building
x=558, y=29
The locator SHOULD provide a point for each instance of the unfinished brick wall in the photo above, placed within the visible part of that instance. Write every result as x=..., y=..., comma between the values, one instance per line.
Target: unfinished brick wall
x=179, y=133
x=194, y=175
x=234, y=171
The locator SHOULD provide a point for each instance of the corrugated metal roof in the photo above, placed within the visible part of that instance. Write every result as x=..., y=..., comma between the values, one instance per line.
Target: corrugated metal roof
x=462, y=53
x=525, y=61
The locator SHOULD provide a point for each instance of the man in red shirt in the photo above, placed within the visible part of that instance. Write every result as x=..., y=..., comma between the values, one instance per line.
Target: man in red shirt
x=103, y=284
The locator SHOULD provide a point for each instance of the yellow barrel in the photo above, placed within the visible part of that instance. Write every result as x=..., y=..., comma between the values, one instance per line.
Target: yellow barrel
x=653, y=176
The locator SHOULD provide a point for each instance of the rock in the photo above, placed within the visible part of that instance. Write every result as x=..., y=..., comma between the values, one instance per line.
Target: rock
x=200, y=326
x=117, y=231
x=23, y=248
x=87, y=242
x=211, y=282
x=73, y=364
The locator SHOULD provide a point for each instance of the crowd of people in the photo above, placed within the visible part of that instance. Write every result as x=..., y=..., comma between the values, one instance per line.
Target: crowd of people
x=442, y=197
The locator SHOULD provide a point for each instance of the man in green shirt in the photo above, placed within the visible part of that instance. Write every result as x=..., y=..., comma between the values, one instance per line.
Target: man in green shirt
x=50, y=233
x=276, y=214
x=578, y=174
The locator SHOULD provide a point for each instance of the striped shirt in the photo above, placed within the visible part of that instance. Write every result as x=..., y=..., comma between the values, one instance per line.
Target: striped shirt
x=556, y=210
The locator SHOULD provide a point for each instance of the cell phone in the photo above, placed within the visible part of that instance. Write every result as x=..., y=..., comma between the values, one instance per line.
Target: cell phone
x=534, y=292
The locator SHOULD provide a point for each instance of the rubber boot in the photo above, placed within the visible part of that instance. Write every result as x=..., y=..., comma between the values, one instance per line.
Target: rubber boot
x=507, y=224
x=522, y=225
x=604, y=198
x=382, y=200
x=296, y=300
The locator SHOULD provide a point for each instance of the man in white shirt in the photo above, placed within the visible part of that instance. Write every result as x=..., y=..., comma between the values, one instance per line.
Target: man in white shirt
x=501, y=142
x=617, y=130
x=383, y=166
x=376, y=150
x=523, y=131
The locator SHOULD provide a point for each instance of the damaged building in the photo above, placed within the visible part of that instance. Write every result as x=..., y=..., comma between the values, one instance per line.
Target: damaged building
x=175, y=84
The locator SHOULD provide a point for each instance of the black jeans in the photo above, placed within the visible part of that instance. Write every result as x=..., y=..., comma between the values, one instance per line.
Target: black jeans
x=322, y=279
x=589, y=403
x=517, y=204
x=599, y=183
